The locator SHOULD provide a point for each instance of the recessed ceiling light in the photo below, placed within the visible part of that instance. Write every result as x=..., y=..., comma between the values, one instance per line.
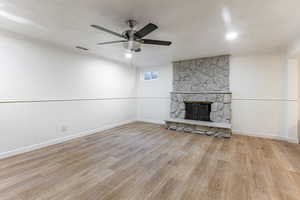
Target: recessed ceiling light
x=231, y=35
x=128, y=55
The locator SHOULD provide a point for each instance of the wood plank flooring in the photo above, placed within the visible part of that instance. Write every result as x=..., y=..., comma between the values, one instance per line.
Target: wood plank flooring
x=142, y=161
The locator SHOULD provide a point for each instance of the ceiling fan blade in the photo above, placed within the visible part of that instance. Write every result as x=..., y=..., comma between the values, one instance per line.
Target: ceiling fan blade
x=112, y=42
x=82, y=48
x=107, y=31
x=138, y=50
x=157, y=42
x=146, y=30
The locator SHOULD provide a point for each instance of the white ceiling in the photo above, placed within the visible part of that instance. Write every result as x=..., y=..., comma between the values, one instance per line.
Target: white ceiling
x=196, y=27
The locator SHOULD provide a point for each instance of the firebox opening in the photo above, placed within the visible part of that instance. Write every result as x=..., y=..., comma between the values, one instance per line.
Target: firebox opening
x=197, y=110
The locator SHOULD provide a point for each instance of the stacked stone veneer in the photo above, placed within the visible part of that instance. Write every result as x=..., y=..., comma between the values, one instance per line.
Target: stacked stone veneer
x=198, y=129
x=202, y=80
x=201, y=75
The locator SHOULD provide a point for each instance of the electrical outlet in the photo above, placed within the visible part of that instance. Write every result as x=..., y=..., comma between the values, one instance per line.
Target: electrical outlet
x=63, y=128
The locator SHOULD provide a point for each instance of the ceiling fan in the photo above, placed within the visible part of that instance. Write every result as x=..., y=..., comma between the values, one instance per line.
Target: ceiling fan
x=133, y=39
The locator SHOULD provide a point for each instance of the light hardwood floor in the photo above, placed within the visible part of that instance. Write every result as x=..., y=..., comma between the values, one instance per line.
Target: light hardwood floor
x=145, y=161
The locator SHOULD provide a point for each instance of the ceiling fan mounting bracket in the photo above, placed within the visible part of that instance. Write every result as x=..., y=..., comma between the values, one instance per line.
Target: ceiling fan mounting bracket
x=131, y=23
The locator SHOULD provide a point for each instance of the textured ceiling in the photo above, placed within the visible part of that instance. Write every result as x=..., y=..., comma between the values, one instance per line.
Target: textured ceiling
x=196, y=27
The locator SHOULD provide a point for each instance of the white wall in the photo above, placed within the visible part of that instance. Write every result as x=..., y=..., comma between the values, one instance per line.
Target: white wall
x=293, y=53
x=261, y=106
x=48, y=94
x=298, y=63
x=264, y=100
x=293, y=49
x=154, y=95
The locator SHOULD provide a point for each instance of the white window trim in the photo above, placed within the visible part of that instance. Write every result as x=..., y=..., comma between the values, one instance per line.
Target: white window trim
x=143, y=76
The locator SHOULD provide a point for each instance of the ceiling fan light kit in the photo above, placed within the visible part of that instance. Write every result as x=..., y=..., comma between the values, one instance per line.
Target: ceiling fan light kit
x=132, y=40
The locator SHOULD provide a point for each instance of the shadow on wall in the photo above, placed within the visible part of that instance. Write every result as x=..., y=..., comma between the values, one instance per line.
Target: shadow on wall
x=298, y=129
x=298, y=58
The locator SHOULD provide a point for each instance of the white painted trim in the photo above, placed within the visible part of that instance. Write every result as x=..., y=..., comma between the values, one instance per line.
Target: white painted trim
x=60, y=100
x=93, y=131
x=154, y=121
x=292, y=140
x=61, y=140
x=153, y=98
x=262, y=99
x=237, y=132
x=235, y=99
x=267, y=136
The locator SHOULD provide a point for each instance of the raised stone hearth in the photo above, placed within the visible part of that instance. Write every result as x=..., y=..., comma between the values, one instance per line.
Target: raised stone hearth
x=199, y=127
x=203, y=80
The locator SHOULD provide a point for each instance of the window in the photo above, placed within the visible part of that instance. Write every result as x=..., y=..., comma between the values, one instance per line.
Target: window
x=150, y=76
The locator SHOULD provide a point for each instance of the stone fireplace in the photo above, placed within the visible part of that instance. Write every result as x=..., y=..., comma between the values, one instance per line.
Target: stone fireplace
x=199, y=86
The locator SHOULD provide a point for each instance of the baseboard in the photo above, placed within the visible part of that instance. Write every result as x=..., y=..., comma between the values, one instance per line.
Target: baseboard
x=154, y=121
x=267, y=136
x=61, y=140
x=292, y=140
x=237, y=132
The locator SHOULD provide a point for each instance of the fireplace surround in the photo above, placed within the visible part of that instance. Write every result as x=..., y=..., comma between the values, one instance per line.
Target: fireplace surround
x=220, y=104
x=203, y=80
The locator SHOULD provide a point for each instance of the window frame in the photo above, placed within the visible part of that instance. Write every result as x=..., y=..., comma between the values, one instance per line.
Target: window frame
x=151, y=74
